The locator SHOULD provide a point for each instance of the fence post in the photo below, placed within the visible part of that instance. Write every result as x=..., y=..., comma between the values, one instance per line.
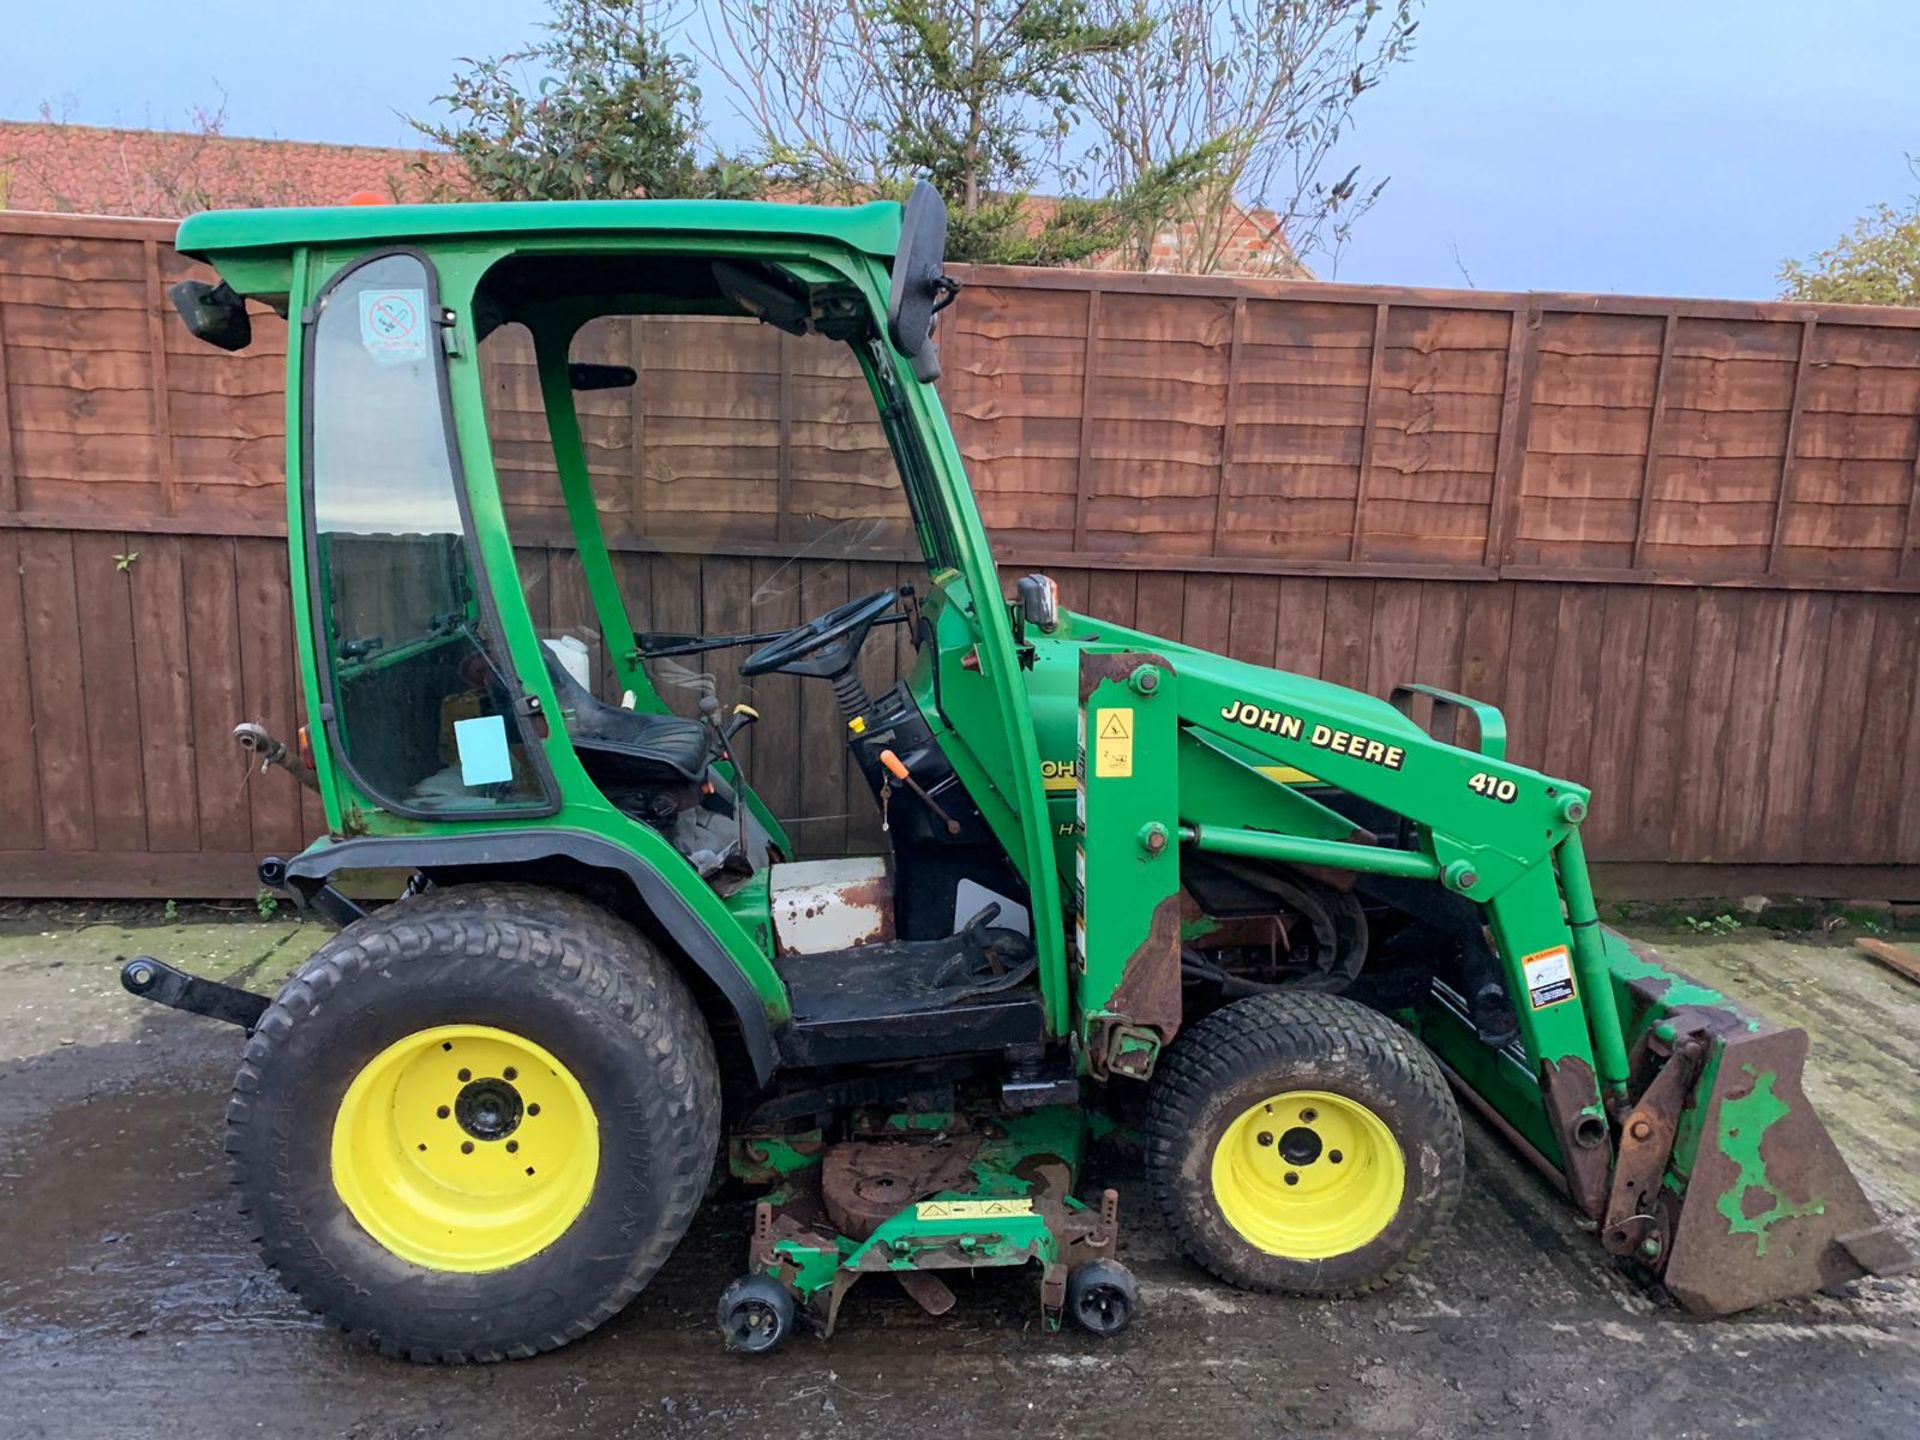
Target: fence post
x=9, y=484
x=1357, y=542
x=1226, y=424
x=162, y=395
x=1516, y=413
x=1789, y=460
x=1655, y=418
x=1083, y=474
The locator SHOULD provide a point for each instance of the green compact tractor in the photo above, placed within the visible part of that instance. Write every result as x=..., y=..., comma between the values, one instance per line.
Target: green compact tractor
x=1267, y=927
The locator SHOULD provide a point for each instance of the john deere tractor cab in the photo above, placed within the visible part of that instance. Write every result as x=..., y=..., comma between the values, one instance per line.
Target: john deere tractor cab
x=1265, y=925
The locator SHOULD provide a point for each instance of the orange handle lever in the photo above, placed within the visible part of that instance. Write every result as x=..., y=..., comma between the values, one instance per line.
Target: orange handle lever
x=895, y=765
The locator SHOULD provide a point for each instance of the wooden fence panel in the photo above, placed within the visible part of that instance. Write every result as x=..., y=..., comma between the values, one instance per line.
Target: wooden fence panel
x=1675, y=540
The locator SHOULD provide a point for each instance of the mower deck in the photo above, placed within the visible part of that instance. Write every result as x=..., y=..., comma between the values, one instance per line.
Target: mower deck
x=926, y=1193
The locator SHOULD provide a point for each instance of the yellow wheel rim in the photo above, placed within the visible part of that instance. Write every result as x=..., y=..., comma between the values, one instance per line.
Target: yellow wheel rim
x=465, y=1148
x=1308, y=1175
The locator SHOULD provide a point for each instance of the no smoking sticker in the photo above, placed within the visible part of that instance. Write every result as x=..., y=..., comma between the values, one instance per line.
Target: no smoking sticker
x=1549, y=977
x=393, y=325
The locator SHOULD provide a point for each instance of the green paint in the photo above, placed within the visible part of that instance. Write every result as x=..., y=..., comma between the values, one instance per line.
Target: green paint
x=1743, y=1125
x=929, y=1122
x=762, y=1159
x=1681, y=990
x=814, y=1268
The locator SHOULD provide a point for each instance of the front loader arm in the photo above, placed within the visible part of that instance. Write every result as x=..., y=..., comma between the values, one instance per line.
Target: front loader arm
x=1676, y=1121
x=1499, y=834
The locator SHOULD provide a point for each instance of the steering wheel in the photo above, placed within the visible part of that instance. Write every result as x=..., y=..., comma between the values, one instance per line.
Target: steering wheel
x=824, y=648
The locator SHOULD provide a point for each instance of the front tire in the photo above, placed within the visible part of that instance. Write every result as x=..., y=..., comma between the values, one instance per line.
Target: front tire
x=1304, y=1144
x=475, y=1124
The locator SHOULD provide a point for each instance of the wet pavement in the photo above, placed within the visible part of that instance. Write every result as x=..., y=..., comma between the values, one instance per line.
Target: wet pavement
x=132, y=1304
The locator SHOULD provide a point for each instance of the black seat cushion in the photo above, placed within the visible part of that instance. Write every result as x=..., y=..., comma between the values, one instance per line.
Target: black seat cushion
x=632, y=743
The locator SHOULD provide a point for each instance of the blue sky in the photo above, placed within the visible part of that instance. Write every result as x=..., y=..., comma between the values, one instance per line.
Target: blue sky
x=1679, y=148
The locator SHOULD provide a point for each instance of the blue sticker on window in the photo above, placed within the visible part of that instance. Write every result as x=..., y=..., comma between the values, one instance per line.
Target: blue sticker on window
x=482, y=743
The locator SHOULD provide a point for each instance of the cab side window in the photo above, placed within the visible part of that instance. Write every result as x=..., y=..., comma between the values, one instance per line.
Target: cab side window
x=423, y=707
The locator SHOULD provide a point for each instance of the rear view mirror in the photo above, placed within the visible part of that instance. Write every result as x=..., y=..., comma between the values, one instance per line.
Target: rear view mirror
x=1039, y=601
x=214, y=313
x=920, y=290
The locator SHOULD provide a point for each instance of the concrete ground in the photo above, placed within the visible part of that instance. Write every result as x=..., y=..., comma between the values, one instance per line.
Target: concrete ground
x=131, y=1303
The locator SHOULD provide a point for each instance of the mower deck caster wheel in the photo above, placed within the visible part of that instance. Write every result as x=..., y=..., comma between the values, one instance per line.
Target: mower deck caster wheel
x=756, y=1315
x=1101, y=1297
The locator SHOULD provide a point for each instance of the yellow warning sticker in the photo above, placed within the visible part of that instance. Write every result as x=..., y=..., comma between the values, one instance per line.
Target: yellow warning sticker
x=971, y=1209
x=1549, y=977
x=1113, y=744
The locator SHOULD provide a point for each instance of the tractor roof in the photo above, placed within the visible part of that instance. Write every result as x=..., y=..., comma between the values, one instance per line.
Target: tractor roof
x=254, y=240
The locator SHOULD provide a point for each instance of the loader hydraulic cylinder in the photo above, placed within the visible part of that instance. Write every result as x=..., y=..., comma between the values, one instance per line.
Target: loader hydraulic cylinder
x=1590, y=967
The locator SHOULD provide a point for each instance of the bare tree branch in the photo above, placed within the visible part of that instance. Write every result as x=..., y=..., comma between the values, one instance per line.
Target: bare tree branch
x=1258, y=93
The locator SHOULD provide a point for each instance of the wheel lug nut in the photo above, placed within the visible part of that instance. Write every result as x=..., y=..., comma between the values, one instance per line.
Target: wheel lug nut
x=1307, y=1117
x=466, y=1147
x=1335, y=1156
x=513, y=1146
x=510, y=1073
x=466, y=1074
x=1266, y=1137
x=443, y=1112
x=533, y=1109
x=1291, y=1178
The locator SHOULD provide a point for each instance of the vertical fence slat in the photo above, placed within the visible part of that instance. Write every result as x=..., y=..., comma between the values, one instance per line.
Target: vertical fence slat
x=1227, y=427
x=637, y=427
x=1655, y=419
x=1789, y=461
x=20, y=827
x=162, y=393
x=1516, y=413
x=1909, y=542
x=9, y=482
x=783, y=501
x=1357, y=541
x=1083, y=469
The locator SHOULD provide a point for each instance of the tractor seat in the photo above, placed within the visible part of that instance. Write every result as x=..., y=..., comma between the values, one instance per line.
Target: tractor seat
x=638, y=745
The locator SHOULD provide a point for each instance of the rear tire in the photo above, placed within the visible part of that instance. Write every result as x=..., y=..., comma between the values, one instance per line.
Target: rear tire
x=1303, y=1143
x=341, y=1125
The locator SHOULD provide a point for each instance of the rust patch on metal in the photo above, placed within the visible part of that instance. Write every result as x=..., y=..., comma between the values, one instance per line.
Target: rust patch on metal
x=1149, y=990
x=927, y=1290
x=864, y=1183
x=1635, y=1224
x=864, y=908
x=1095, y=668
x=1569, y=1089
